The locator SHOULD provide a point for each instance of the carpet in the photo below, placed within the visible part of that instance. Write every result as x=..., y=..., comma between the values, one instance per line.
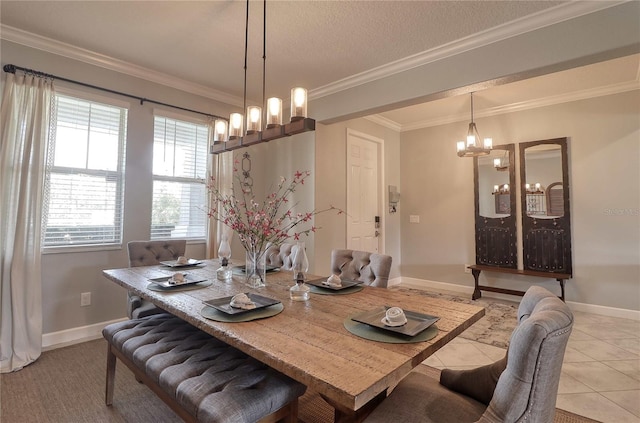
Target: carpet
x=494, y=328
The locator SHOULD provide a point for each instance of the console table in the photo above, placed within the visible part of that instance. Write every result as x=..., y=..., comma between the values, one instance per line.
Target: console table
x=477, y=268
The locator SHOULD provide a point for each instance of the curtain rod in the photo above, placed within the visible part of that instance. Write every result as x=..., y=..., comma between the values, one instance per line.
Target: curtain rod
x=12, y=69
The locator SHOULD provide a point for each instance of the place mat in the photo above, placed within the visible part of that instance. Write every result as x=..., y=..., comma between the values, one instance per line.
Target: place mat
x=155, y=287
x=323, y=291
x=262, y=313
x=374, y=334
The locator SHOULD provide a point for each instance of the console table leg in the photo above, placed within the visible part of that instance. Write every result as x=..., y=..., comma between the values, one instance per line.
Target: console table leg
x=561, y=281
x=476, y=292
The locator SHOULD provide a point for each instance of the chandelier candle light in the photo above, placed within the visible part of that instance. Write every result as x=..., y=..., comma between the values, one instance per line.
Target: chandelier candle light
x=238, y=135
x=471, y=149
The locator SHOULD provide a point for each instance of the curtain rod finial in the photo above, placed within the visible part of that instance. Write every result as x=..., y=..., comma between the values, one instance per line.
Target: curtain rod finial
x=9, y=68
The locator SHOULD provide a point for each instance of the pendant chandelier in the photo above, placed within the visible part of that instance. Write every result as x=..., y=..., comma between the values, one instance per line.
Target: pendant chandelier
x=245, y=130
x=471, y=147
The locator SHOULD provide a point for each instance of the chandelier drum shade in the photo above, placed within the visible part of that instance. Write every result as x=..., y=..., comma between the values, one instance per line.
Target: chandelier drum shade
x=470, y=148
x=261, y=124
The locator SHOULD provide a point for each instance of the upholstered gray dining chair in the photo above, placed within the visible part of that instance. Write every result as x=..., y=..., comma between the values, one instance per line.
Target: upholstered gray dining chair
x=148, y=253
x=521, y=387
x=280, y=256
x=370, y=268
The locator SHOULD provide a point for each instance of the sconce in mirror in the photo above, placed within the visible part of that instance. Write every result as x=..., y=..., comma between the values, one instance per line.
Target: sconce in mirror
x=394, y=198
x=495, y=205
x=494, y=184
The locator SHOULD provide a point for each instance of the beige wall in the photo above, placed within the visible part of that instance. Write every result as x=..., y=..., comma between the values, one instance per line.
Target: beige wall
x=604, y=163
x=331, y=175
x=66, y=275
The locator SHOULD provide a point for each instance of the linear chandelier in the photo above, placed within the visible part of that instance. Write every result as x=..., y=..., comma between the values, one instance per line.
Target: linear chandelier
x=245, y=130
x=471, y=148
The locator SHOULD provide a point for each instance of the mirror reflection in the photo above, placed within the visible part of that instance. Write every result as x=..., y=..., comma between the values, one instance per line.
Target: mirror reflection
x=543, y=181
x=493, y=184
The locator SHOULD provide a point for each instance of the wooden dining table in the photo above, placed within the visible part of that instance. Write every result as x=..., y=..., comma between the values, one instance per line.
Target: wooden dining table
x=308, y=340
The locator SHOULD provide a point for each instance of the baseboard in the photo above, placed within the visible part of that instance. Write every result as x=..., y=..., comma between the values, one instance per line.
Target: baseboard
x=468, y=290
x=64, y=338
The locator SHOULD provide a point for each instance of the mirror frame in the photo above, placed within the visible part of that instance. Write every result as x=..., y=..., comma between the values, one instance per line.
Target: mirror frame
x=496, y=238
x=541, y=237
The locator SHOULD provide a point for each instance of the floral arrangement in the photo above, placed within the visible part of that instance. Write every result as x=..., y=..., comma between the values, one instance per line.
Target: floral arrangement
x=262, y=223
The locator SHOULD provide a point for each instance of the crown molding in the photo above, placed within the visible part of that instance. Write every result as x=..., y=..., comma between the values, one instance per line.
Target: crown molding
x=385, y=122
x=29, y=39
x=516, y=107
x=547, y=17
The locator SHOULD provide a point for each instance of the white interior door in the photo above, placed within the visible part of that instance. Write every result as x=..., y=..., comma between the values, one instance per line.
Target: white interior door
x=363, y=187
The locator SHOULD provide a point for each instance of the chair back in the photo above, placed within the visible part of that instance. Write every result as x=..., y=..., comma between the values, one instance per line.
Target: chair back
x=370, y=268
x=280, y=256
x=148, y=253
x=526, y=390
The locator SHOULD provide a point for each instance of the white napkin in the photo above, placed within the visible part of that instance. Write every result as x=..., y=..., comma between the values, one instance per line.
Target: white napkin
x=394, y=317
x=178, y=278
x=242, y=301
x=182, y=260
x=333, y=281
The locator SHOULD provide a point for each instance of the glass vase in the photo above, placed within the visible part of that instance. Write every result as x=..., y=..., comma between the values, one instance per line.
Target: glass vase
x=256, y=269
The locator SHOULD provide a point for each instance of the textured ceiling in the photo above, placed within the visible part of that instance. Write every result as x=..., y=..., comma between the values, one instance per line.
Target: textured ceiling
x=309, y=43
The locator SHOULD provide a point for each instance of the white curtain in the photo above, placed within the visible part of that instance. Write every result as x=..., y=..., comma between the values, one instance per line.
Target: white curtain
x=26, y=112
x=223, y=173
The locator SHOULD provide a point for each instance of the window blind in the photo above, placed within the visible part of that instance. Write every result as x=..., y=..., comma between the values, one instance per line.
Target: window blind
x=180, y=158
x=84, y=183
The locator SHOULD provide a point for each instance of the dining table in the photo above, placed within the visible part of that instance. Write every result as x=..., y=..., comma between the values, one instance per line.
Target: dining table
x=350, y=364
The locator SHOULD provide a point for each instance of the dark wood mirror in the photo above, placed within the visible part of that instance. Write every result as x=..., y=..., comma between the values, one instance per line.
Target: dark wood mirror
x=544, y=188
x=495, y=208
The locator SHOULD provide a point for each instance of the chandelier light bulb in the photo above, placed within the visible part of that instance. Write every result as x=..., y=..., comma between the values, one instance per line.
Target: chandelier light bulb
x=274, y=112
x=298, y=103
x=254, y=119
x=235, y=125
x=488, y=143
x=220, y=131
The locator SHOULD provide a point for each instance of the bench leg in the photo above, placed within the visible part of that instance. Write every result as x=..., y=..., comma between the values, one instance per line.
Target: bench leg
x=111, y=376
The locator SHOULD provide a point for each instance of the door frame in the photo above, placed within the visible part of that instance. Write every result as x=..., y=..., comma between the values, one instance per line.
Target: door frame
x=380, y=182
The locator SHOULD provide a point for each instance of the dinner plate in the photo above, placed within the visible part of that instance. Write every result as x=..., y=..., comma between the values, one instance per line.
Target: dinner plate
x=174, y=263
x=222, y=304
x=188, y=280
x=416, y=322
x=345, y=284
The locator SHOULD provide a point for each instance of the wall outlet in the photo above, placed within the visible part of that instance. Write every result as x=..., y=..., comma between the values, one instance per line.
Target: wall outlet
x=85, y=299
x=414, y=218
x=466, y=268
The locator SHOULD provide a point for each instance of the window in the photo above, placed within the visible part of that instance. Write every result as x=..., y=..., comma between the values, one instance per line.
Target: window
x=84, y=182
x=180, y=152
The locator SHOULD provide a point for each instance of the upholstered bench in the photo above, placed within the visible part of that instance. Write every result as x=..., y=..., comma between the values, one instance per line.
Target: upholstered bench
x=198, y=376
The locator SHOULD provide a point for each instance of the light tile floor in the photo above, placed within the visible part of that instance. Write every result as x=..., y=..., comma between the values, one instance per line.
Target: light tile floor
x=600, y=373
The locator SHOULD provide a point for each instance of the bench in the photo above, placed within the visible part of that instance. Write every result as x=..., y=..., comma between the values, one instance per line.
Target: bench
x=198, y=376
x=477, y=268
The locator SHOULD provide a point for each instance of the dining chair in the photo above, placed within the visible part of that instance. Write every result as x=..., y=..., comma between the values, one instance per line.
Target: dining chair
x=280, y=256
x=148, y=253
x=521, y=387
x=371, y=268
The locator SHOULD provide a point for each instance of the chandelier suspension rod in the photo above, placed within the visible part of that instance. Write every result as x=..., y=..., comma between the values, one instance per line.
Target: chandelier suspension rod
x=472, y=107
x=264, y=60
x=246, y=44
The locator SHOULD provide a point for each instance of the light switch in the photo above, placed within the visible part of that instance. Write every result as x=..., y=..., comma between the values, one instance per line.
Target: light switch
x=414, y=218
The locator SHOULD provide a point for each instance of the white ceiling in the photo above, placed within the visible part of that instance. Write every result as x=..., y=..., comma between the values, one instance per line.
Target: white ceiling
x=316, y=44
